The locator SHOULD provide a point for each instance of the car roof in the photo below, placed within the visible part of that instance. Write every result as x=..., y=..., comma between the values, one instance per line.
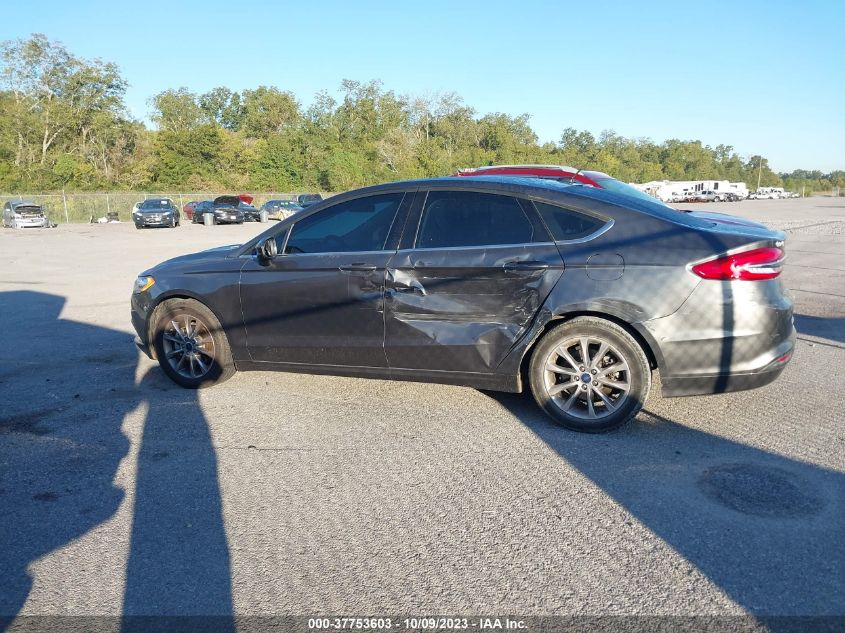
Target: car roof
x=578, y=195
x=512, y=184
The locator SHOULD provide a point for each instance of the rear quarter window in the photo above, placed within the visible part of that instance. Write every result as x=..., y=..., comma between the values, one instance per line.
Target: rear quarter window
x=566, y=224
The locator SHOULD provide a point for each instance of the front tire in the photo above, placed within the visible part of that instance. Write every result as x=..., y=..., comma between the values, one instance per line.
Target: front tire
x=589, y=375
x=190, y=345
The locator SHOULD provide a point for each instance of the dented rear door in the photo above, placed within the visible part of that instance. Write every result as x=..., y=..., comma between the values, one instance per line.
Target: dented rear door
x=462, y=308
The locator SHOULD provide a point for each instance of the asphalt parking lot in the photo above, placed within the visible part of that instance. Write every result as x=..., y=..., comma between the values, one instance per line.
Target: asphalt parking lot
x=290, y=494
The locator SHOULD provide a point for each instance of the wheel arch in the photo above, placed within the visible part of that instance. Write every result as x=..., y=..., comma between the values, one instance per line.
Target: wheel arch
x=164, y=298
x=640, y=335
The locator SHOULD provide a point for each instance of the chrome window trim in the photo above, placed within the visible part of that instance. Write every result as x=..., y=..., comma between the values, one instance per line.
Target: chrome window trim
x=587, y=238
x=463, y=248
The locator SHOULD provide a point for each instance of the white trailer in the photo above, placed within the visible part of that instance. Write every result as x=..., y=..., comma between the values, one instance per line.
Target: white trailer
x=679, y=190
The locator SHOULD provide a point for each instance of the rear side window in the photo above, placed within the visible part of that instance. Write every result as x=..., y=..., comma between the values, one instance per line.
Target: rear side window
x=356, y=225
x=467, y=218
x=566, y=224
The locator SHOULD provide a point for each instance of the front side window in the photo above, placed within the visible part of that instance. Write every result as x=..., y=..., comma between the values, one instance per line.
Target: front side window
x=356, y=225
x=466, y=218
x=566, y=224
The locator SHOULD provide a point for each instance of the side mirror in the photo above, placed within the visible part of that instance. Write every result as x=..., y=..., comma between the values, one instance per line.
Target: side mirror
x=267, y=249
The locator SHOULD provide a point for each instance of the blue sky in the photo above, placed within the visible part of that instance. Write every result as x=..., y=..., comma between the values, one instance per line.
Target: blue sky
x=765, y=77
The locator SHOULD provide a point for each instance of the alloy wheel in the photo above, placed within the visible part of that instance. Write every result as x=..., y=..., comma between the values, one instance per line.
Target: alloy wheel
x=587, y=377
x=188, y=346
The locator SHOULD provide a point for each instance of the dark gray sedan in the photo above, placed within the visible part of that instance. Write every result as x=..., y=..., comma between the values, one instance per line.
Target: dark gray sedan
x=575, y=293
x=156, y=212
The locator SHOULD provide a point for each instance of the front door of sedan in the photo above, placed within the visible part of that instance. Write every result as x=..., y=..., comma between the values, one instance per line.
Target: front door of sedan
x=321, y=300
x=469, y=284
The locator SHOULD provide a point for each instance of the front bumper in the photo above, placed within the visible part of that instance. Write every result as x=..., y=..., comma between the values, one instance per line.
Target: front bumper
x=155, y=221
x=140, y=309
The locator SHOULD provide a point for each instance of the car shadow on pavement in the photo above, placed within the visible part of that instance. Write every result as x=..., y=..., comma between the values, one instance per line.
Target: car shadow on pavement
x=765, y=529
x=67, y=388
x=831, y=328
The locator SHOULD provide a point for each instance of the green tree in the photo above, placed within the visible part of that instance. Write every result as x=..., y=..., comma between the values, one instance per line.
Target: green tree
x=176, y=110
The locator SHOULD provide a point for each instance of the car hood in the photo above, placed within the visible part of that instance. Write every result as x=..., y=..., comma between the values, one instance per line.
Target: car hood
x=28, y=209
x=218, y=252
x=230, y=201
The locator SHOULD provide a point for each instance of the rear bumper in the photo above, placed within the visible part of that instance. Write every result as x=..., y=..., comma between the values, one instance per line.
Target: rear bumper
x=727, y=336
x=698, y=385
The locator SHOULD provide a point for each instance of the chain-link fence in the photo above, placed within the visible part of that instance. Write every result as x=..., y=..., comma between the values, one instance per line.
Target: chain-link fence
x=84, y=207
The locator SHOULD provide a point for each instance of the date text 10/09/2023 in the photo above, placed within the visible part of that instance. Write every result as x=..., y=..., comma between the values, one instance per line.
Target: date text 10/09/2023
x=416, y=624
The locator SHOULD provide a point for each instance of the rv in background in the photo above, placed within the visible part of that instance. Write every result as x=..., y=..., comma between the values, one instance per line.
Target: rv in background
x=684, y=190
x=771, y=193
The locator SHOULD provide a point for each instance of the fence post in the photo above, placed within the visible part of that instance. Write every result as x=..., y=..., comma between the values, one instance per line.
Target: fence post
x=64, y=202
x=108, y=205
x=181, y=204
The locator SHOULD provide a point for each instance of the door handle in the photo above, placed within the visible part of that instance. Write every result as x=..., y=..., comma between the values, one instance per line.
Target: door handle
x=518, y=266
x=359, y=267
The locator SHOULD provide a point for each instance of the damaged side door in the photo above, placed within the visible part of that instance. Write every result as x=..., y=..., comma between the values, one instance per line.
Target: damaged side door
x=467, y=282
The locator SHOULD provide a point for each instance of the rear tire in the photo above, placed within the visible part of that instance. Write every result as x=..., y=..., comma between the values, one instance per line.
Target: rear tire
x=190, y=345
x=596, y=392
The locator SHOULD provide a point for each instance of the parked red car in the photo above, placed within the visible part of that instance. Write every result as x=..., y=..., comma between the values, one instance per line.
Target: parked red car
x=561, y=174
x=188, y=210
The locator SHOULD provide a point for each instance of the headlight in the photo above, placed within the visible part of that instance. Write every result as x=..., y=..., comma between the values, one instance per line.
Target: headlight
x=143, y=283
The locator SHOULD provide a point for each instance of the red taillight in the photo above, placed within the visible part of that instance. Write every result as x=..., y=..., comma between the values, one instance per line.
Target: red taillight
x=782, y=360
x=761, y=263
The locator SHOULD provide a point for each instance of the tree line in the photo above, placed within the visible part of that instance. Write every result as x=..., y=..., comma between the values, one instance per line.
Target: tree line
x=64, y=125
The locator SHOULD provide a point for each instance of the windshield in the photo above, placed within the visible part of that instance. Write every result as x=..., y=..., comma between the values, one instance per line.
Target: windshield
x=611, y=184
x=149, y=205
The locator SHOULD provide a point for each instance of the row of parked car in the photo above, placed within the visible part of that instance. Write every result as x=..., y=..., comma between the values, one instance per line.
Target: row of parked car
x=227, y=209
x=708, y=195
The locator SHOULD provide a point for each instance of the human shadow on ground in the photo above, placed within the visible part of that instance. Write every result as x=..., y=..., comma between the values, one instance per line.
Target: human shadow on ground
x=178, y=563
x=66, y=389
